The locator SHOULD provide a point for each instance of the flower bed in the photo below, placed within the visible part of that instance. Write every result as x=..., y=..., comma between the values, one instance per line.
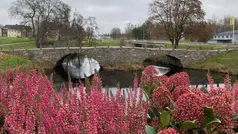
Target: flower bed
x=29, y=104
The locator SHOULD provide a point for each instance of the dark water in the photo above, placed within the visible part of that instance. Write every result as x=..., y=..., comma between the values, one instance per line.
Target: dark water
x=125, y=79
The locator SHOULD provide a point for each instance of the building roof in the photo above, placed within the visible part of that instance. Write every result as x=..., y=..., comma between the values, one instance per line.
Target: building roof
x=17, y=27
x=228, y=33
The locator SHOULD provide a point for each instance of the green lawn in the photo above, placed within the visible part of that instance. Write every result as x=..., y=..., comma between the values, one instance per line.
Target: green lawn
x=225, y=63
x=22, y=45
x=102, y=43
x=200, y=47
x=10, y=40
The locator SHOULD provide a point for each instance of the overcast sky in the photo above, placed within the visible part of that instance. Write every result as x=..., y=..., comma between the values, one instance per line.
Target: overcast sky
x=116, y=13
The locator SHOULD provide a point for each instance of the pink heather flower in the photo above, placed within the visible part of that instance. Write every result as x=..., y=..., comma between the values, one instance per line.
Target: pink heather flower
x=236, y=106
x=160, y=98
x=168, y=131
x=229, y=97
x=235, y=91
x=217, y=91
x=97, y=81
x=148, y=74
x=227, y=83
x=188, y=107
x=210, y=81
x=30, y=105
x=178, y=91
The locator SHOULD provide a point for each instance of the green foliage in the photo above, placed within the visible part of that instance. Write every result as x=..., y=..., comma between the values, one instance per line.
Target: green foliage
x=165, y=119
x=87, y=84
x=153, y=113
x=209, y=118
x=172, y=103
x=150, y=130
x=149, y=89
x=188, y=125
x=234, y=117
x=141, y=32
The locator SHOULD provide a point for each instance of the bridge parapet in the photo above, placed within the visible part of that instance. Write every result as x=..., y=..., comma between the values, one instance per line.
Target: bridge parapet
x=108, y=56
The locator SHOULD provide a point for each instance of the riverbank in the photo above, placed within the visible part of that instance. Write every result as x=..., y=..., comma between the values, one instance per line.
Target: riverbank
x=16, y=62
x=225, y=64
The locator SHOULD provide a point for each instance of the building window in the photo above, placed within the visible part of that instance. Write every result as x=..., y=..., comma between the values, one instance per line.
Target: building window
x=227, y=36
x=231, y=36
x=218, y=36
x=222, y=36
x=215, y=37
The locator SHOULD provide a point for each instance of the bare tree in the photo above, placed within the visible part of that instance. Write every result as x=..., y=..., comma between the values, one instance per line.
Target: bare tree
x=128, y=30
x=89, y=33
x=39, y=14
x=77, y=31
x=115, y=33
x=174, y=15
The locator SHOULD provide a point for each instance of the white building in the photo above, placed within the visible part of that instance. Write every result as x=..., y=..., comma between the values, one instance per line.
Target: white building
x=18, y=30
x=225, y=37
x=13, y=33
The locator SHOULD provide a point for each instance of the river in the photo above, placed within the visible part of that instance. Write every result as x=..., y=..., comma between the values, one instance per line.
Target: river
x=125, y=79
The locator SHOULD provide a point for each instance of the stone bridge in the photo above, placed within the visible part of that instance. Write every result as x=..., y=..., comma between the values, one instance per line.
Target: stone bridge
x=108, y=56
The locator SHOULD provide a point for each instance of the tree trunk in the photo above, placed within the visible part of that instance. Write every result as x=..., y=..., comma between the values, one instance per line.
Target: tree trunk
x=176, y=44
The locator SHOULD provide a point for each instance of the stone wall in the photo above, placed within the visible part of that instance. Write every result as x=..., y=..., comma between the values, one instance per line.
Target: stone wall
x=112, y=56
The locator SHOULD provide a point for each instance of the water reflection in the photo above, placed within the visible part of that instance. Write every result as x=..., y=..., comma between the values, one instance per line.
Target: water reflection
x=77, y=67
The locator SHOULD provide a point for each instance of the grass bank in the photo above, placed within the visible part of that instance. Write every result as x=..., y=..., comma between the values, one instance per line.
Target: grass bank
x=10, y=40
x=16, y=62
x=226, y=63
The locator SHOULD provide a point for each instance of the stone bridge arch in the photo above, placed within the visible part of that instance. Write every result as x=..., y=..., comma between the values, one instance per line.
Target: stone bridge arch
x=163, y=60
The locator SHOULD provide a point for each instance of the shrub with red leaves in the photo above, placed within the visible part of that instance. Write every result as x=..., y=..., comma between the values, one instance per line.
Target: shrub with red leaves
x=223, y=110
x=189, y=107
x=178, y=79
x=160, y=80
x=178, y=91
x=168, y=131
x=160, y=98
x=148, y=75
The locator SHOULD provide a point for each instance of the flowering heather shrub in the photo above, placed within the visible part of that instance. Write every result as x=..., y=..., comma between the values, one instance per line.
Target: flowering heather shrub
x=168, y=131
x=29, y=104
